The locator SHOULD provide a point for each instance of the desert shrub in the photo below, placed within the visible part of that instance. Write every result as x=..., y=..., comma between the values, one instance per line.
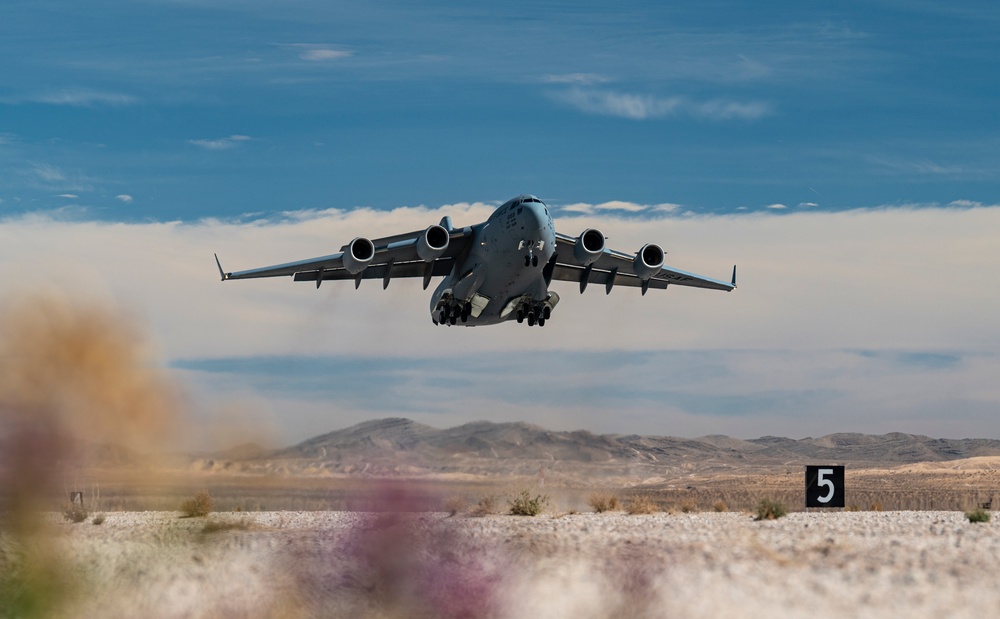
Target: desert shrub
x=688, y=505
x=199, y=506
x=486, y=505
x=875, y=507
x=641, y=505
x=75, y=512
x=601, y=502
x=720, y=506
x=978, y=515
x=456, y=504
x=854, y=507
x=98, y=519
x=770, y=510
x=524, y=505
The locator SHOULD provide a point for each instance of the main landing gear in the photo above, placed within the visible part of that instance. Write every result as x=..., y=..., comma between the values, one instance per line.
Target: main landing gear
x=531, y=260
x=451, y=313
x=535, y=314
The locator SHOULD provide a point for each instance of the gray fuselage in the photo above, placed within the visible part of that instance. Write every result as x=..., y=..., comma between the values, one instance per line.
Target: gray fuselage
x=501, y=272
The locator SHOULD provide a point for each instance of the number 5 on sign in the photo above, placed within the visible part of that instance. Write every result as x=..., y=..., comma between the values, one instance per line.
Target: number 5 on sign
x=824, y=486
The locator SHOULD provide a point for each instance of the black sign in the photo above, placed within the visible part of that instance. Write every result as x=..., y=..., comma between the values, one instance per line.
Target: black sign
x=824, y=486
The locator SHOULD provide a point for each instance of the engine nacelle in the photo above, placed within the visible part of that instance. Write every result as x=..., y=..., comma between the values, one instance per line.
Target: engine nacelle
x=648, y=261
x=432, y=243
x=358, y=255
x=589, y=246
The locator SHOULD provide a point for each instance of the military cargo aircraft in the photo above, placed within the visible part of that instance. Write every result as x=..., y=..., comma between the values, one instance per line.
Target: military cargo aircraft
x=495, y=271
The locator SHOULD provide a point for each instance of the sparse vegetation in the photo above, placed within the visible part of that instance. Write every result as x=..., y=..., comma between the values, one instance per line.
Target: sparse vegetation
x=978, y=515
x=75, y=512
x=720, y=506
x=770, y=510
x=601, y=502
x=98, y=519
x=641, y=504
x=688, y=506
x=875, y=506
x=524, y=505
x=199, y=506
x=456, y=505
x=486, y=506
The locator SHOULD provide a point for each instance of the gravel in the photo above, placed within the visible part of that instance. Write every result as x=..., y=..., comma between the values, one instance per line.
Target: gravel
x=339, y=564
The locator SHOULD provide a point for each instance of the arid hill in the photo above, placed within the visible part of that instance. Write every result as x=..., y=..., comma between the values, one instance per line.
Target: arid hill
x=397, y=446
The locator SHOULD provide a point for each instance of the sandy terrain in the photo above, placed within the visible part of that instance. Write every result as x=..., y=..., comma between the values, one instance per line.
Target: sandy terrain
x=340, y=564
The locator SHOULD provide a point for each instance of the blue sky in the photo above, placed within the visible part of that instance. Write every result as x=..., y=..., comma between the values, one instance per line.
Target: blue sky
x=832, y=149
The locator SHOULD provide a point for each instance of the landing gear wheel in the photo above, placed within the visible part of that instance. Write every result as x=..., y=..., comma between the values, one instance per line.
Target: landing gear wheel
x=546, y=312
x=520, y=316
x=527, y=261
x=534, y=261
x=541, y=322
x=443, y=316
x=531, y=319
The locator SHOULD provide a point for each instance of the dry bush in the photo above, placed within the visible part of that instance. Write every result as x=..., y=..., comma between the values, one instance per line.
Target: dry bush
x=641, y=505
x=75, y=512
x=875, y=506
x=978, y=515
x=199, y=506
x=720, y=506
x=456, y=505
x=770, y=510
x=601, y=502
x=524, y=505
x=98, y=519
x=688, y=506
x=853, y=508
x=486, y=506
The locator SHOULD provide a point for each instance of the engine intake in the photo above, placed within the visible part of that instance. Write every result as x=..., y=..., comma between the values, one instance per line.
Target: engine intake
x=358, y=255
x=432, y=243
x=648, y=261
x=589, y=246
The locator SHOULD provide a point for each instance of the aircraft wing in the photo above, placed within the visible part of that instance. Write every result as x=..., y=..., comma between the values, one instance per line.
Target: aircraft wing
x=615, y=268
x=394, y=256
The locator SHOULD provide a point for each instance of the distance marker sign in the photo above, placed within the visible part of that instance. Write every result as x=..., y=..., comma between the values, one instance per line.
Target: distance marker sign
x=824, y=486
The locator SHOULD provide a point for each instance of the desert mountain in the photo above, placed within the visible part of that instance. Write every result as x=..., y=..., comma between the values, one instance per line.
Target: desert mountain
x=400, y=446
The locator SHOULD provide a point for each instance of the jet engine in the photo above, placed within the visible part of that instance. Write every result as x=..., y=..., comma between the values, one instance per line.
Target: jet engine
x=589, y=246
x=648, y=261
x=432, y=243
x=358, y=255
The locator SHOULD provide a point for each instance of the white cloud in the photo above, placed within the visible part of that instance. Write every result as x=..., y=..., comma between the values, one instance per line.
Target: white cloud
x=70, y=196
x=124, y=197
x=776, y=207
x=807, y=204
x=617, y=205
x=320, y=53
x=77, y=97
x=813, y=285
x=221, y=143
x=641, y=107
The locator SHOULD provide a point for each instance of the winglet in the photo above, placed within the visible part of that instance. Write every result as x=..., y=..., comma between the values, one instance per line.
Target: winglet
x=734, y=276
x=222, y=273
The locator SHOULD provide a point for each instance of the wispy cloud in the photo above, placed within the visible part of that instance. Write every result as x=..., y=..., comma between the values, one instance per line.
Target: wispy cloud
x=583, y=79
x=807, y=204
x=319, y=52
x=642, y=107
x=221, y=143
x=776, y=207
x=68, y=196
x=76, y=97
x=124, y=197
x=617, y=205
